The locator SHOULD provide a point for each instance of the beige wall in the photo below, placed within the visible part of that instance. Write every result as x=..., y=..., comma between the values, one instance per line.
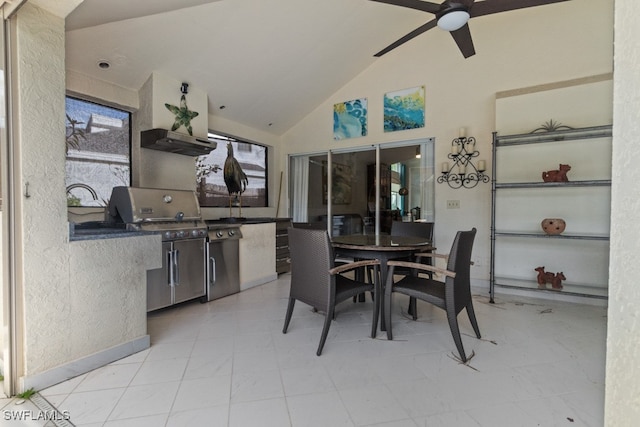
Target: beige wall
x=514, y=50
x=622, y=407
x=78, y=301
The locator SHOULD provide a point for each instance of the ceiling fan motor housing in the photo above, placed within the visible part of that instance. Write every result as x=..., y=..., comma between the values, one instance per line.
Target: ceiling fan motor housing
x=453, y=16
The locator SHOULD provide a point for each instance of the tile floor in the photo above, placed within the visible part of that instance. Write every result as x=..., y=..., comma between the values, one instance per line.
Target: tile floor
x=227, y=363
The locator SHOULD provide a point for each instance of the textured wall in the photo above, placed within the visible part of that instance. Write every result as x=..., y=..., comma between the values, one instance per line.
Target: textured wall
x=78, y=298
x=622, y=407
x=45, y=268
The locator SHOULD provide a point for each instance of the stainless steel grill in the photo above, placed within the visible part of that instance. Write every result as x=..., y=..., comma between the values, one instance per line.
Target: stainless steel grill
x=223, y=272
x=175, y=214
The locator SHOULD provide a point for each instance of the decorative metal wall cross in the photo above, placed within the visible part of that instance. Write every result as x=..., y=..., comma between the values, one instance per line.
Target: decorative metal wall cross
x=463, y=172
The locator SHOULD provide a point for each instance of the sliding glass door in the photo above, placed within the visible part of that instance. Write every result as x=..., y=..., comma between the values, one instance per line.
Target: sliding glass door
x=367, y=186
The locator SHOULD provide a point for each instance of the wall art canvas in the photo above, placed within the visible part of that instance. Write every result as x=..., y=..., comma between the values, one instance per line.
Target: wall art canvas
x=404, y=109
x=350, y=119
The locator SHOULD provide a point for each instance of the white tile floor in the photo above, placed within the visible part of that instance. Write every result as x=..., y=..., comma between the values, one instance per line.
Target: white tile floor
x=227, y=363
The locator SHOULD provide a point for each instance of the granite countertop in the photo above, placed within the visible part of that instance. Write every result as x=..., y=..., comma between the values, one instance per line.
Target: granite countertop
x=241, y=221
x=93, y=230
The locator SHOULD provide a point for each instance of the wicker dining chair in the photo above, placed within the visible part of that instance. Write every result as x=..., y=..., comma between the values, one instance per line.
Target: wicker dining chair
x=420, y=229
x=316, y=280
x=452, y=295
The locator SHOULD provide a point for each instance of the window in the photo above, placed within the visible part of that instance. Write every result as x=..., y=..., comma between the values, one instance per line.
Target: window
x=98, y=144
x=252, y=158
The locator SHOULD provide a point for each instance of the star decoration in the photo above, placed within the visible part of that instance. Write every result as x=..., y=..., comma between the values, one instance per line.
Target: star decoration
x=183, y=115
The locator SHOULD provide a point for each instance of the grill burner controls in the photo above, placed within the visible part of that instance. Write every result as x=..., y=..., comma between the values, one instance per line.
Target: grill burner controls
x=184, y=234
x=224, y=232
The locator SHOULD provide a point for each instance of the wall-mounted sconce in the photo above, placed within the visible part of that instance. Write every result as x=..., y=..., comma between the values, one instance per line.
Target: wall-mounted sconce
x=184, y=88
x=463, y=172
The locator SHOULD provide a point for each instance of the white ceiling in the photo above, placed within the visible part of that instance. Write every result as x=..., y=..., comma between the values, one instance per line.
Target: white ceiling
x=266, y=61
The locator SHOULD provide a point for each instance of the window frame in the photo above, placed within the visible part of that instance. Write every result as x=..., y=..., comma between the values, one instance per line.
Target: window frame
x=204, y=170
x=129, y=155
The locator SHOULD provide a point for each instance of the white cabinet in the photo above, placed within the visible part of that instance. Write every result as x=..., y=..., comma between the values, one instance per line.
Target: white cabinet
x=257, y=254
x=521, y=200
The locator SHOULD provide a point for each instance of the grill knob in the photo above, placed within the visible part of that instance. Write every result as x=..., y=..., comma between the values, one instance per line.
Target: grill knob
x=231, y=233
x=167, y=235
x=219, y=234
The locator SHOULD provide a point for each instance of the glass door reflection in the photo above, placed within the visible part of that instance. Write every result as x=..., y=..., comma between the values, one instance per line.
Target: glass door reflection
x=358, y=200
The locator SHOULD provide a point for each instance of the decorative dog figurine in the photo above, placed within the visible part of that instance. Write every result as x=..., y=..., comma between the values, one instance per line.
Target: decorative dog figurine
x=545, y=277
x=559, y=175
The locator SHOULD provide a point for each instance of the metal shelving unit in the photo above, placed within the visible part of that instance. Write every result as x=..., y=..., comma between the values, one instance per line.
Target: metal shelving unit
x=546, y=236
x=531, y=139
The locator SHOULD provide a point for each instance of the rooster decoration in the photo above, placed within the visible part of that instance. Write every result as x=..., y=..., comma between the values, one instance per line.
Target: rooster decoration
x=235, y=179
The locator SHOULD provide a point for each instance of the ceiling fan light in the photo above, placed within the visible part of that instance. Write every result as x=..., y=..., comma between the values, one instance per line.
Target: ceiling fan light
x=453, y=20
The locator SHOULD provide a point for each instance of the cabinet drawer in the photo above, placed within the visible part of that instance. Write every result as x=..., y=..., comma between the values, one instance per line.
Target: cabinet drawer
x=282, y=252
x=283, y=265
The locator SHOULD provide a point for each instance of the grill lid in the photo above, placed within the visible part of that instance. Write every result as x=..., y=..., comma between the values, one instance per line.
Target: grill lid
x=137, y=205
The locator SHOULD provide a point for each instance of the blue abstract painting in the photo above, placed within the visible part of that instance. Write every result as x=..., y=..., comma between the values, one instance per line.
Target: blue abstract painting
x=350, y=119
x=404, y=109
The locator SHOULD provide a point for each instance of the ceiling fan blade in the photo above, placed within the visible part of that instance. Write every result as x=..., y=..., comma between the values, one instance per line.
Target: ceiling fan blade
x=415, y=33
x=462, y=37
x=487, y=7
x=424, y=6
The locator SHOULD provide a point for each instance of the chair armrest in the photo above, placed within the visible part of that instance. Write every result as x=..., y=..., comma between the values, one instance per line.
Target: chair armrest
x=431, y=250
x=431, y=255
x=423, y=267
x=353, y=265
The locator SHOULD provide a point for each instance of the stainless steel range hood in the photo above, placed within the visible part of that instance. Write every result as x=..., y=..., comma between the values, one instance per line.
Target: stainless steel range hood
x=175, y=142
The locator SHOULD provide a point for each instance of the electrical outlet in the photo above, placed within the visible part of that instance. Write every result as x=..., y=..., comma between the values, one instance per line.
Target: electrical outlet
x=453, y=204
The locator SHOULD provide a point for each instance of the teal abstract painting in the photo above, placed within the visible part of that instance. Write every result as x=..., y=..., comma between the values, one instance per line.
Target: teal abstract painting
x=404, y=109
x=350, y=119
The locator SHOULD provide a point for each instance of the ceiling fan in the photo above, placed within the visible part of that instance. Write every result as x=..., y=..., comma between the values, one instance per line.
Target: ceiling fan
x=453, y=15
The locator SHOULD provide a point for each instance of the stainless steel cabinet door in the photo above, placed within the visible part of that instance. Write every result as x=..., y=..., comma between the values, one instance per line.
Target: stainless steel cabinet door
x=224, y=271
x=159, y=291
x=189, y=276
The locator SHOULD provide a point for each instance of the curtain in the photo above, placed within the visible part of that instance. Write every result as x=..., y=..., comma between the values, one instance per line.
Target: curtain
x=300, y=178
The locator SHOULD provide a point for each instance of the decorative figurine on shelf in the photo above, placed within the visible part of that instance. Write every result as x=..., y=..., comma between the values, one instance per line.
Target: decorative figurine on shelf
x=553, y=226
x=545, y=277
x=559, y=175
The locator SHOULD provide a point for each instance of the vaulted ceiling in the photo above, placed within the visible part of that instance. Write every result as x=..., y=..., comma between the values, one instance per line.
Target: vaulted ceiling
x=263, y=63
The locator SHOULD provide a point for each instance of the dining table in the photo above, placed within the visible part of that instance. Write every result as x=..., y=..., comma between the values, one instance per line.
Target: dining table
x=383, y=247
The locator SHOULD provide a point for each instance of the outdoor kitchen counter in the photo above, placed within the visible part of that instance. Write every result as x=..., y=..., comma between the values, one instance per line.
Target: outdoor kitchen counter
x=257, y=252
x=98, y=230
x=241, y=221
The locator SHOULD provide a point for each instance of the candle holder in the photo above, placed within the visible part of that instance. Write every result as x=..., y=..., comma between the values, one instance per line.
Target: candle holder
x=463, y=172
